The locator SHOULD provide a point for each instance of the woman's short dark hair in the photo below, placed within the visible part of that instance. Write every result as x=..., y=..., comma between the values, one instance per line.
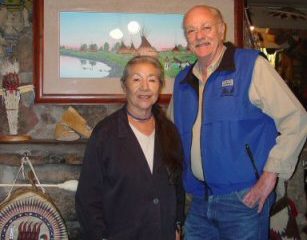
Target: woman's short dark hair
x=143, y=59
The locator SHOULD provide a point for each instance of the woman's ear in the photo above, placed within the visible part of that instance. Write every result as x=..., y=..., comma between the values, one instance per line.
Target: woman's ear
x=123, y=86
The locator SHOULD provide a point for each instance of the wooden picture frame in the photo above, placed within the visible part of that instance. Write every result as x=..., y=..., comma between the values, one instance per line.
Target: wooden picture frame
x=46, y=44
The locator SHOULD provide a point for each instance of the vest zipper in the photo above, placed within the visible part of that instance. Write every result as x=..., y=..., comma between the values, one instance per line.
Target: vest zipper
x=208, y=190
x=251, y=158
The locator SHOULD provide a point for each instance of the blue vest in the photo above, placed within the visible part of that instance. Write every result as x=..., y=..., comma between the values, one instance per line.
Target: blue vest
x=229, y=123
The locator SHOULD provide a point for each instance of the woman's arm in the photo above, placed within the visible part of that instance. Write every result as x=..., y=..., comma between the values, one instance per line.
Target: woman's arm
x=180, y=197
x=89, y=203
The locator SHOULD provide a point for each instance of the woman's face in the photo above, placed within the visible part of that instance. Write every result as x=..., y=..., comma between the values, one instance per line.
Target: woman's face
x=142, y=87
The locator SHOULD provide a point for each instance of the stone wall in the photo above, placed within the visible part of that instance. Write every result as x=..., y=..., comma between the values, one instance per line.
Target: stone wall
x=54, y=162
x=59, y=162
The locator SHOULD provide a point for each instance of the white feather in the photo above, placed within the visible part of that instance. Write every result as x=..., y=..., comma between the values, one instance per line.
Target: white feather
x=9, y=67
x=280, y=220
x=70, y=185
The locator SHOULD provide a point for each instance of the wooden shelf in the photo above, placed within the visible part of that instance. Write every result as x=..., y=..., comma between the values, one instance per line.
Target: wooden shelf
x=44, y=141
x=43, y=151
x=14, y=138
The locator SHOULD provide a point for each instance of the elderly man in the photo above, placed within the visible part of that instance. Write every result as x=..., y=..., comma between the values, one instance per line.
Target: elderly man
x=241, y=129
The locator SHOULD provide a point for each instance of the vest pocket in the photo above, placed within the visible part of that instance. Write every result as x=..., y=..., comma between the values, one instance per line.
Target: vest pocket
x=251, y=158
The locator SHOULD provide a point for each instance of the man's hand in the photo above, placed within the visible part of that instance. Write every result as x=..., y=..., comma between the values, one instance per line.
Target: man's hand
x=261, y=190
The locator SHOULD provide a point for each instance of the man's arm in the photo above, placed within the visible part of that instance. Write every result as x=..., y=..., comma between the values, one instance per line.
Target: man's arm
x=270, y=93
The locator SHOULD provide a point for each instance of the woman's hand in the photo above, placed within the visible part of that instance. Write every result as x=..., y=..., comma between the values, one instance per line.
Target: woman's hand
x=178, y=235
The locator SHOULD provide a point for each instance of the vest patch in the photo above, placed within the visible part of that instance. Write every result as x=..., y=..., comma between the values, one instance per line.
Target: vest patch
x=227, y=87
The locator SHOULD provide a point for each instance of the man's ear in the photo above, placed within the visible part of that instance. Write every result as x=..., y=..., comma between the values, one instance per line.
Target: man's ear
x=222, y=30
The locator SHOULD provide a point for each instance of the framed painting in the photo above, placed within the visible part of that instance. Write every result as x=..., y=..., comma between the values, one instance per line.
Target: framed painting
x=82, y=46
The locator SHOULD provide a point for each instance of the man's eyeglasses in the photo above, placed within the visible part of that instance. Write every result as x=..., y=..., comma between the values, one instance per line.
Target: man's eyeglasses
x=191, y=32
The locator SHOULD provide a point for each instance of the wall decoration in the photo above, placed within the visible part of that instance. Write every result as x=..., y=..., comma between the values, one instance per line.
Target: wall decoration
x=102, y=50
x=11, y=91
x=84, y=65
x=29, y=212
x=14, y=18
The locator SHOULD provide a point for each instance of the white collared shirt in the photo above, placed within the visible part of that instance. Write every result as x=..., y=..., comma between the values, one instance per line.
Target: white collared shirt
x=147, y=144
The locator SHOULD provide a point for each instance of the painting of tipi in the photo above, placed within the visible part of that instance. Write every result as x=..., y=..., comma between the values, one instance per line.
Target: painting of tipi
x=146, y=49
x=98, y=45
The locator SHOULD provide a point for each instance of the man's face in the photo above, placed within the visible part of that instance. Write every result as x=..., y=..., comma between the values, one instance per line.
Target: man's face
x=204, y=32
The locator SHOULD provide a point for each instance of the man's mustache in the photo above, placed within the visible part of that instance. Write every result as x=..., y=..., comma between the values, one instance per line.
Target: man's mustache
x=201, y=42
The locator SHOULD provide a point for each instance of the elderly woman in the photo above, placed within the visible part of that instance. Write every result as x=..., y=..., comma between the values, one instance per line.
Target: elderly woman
x=130, y=184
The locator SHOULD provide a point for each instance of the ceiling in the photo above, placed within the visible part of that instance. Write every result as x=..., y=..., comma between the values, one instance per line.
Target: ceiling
x=277, y=22
x=278, y=14
x=278, y=3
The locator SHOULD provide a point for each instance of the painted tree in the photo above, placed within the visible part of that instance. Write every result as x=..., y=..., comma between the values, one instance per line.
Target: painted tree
x=83, y=47
x=106, y=46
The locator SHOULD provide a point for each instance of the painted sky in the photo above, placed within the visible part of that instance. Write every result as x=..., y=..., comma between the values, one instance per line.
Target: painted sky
x=163, y=31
